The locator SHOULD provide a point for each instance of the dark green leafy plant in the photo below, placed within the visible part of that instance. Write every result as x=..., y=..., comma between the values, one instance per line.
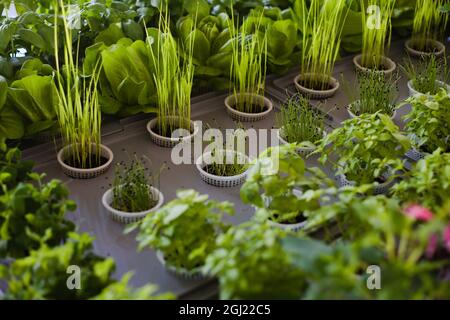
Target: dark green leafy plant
x=31, y=215
x=11, y=124
x=299, y=122
x=429, y=121
x=251, y=264
x=131, y=187
x=185, y=229
x=367, y=147
x=428, y=183
x=13, y=168
x=285, y=194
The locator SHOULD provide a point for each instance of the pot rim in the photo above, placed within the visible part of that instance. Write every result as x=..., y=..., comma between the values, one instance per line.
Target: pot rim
x=200, y=165
x=152, y=123
x=331, y=80
x=108, y=152
x=266, y=101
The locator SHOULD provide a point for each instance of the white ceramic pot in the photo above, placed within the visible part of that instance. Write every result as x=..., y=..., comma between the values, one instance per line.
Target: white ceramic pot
x=413, y=92
x=168, y=142
x=382, y=188
x=389, y=65
x=352, y=115
x=195, y=274
x=218, y=181
x=316, y=94
x=303, y=151
x=130, y=217
x=230, y=103
x=437, y=45
x=90, y=173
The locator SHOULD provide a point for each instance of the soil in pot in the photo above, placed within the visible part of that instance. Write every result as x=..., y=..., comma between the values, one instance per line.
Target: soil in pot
x=256, y=108
x=160, y=132
x=428, y=48
x=92, y=163
x=298, y=219
x=226, y=170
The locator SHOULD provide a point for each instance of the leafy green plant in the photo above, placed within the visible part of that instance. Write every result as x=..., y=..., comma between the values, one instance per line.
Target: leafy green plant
x=426, y=74
x=11, y=123
x=428, y=121
x=14, y=169
x=375, y=92
x=43, y=274
x=299, y=122
x=173, y=78
x=248, y=66
x=428, y=183
x=429, y=23
x=376, y=34
x=78, y=110
x=321, y=26
x=31, y=215
x=282, y=187
x=249, y=259
x=184, y=230
x=367, y=147
x=131, y=187
x=221, y=164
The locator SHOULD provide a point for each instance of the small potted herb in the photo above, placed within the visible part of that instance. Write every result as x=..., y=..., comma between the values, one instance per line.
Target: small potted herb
x=133, y=195
x=79, y=116
x=424, y=75
x=376, y=38
x=250, y=262
x=428, y=123
x=368, y=150
x=223, y=168
x=300, y=123
x=174, y=75
x=321, y=29
x=427, y=183
x=248, y=74
x=283, y=189
x=375, y=92
x=184, y=231
x=428, y=26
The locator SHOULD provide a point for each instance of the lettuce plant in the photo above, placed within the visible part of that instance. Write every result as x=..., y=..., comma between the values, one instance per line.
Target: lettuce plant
x=251, y=264
x=185, y=229
x=428, y=121
x=11, y=123
x=367, y=147
x=14, y=169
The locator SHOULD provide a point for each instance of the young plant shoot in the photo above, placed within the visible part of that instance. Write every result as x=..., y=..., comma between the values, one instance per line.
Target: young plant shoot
x=375, y=92
x=376, y=31
x=429, y=23
x=78, y=110
x=248, y=65
x=132, y=186
x=300, y=122
x=322, y=28
x=174, y=75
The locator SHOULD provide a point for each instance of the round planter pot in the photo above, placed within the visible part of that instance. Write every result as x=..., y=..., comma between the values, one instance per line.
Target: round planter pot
x=183, y=273
x=219, y=181
x=230, y=103
x=388, y=64
x=352, y=115
x=292, y=227
x=316, y=94
x=439, y=49
x=90, y=173
x=130, y=217
x=303, y=151
x=413, y=153
x=413, y=92
x=382, y=188
x=167, y=142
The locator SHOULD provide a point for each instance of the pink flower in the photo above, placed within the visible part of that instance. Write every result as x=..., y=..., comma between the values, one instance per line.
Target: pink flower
x=432, y=246
x=418, y=212
x=447, y=238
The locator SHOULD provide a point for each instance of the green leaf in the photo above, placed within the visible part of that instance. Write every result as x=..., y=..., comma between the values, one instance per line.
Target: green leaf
x=133, y=30
x=32, y=37
x=111, y=35
x=11, y=125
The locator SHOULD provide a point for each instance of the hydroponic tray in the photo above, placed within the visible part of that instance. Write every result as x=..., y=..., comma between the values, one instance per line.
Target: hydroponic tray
x=125, y=138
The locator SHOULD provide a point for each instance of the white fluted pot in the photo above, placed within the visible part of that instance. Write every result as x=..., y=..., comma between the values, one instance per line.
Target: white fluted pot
x=439, y=49
x=265, y=104
x=183, y=273
x=303, y=151
x=169, y=142
x=333, y=85
x=388, y=64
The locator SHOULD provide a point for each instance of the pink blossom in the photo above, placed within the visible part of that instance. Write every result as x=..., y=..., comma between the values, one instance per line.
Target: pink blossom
x=418, y=212
x=447, y=238
x=432, y=246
